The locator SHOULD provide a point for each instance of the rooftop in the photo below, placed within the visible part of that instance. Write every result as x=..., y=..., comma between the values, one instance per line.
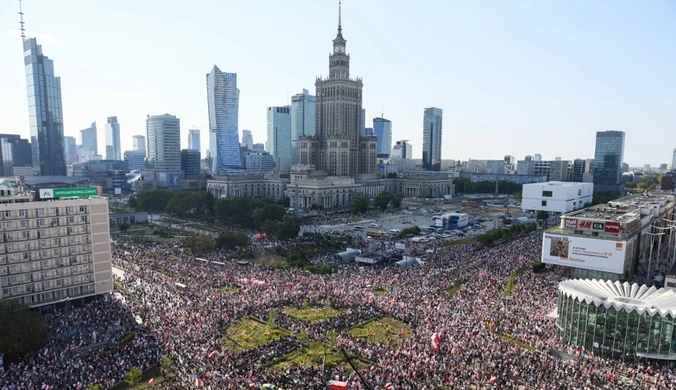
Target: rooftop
x=558, y=184
x=623, y=209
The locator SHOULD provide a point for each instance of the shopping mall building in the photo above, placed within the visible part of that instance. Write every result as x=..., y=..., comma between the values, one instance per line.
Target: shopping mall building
x=608, y=241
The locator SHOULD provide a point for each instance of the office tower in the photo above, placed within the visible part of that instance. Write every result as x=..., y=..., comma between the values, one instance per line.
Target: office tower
x=223, y=101
x=338, y=146
x=673, y=160
x=164, y=142
x=608, y=158
x=279, y=136
x=646, y=168
x=139, y=143
x=14, y=152
x=113, y=148
x=194, y=139
x=432, y=125
x=303, y=109
x=136, y=159
x=369, y=133
x=259, y=161
x=78, y=265
x=190, y=163
x=363, y=122
x=70, y=149
x=402, y=149
x=44, y=110
x=525, y=167
x=258, y=147
x=589, y=166
x=90, y=139
x=579, y=166
x=537, y=157
x=383, y=131
x=247, y=139
x=559, y=170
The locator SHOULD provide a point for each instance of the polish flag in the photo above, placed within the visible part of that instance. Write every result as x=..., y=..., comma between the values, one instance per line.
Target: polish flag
x=435, y=342
x=493, y=380
x=211, y=355
x=151, y=381
x=338, y=385
x=198, y=382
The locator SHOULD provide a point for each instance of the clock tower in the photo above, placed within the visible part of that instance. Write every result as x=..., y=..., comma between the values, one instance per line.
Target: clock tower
x=339, y=60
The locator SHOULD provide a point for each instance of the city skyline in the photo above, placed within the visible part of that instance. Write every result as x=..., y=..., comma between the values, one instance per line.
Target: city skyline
x=553, y=80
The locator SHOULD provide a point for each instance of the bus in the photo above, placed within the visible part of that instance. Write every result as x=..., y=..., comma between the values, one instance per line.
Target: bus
x=374, y=234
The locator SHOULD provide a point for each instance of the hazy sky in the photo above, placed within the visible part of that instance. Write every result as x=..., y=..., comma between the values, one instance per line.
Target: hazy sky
x=513, y=77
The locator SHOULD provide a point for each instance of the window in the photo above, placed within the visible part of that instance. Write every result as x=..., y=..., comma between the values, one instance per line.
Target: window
x=579, y=192
x=544, y=203
x=547, y=194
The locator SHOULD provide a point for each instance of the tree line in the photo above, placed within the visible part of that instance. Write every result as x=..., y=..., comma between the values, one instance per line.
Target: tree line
x=463, y=186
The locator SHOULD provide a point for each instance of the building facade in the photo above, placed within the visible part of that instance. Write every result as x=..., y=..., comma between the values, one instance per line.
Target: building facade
x=16, y=152
x=135, y=159
x=279, y=136
x=44, y=110
x=559, y=170
x=303, y=120
x=259, y=161
x=70, y=148
x=402, y=149
x=339, y=147
x=556, y=197
x=194, y=139
x=90, y=140
x=578, y=170
x=54, y=251
x=518, y=179
x=608, y=157
x=164, y=142
x=383, y=131
x=190, y=163
x=432, y=125
x=107, y=174
x=247, y=139
x=113, y=146
x=139, y=143
x=223, y=102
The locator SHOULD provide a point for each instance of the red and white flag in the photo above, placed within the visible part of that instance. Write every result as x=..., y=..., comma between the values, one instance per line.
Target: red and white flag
x=198, y=382
x=211, y=355
x=435, y=342
x=151, y=381
x=338, y=385
x=493, y=380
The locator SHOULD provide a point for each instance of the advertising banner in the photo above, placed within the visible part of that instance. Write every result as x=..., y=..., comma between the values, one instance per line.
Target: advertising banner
x=570, y=223
x=56, y=193
x=587, y=253
x=612, y=227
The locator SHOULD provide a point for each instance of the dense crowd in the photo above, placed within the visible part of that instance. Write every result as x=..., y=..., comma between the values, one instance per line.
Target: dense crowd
x=168, y=303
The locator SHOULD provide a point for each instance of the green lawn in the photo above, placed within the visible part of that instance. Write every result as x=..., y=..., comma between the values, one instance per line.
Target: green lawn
x=313, y=355
x=147, y=375
x=247, y=333
x=456, y=287
x=459, y=241
x=313, y=314
x=386, y=331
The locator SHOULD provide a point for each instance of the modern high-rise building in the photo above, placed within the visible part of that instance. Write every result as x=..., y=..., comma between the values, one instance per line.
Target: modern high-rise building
x=164, y=142
x=383, y=131
x=559, y=170
x=279, y=136
x=90, y=138
x=432, y=125
x=70, y=148
x=258, y=147
x=44, y=110
x=259, y=161
x=303, y=110
x=402, y=149
x=673, y=160
x=64, y=250
x=15, y=152
x=608, y=158
x=247, y=139
x=579, y=166
x=113, y=147
x=223, y=101
x=338, y=147
x=190, y=163
x=194, y=139
x=139, y=143
x=136, y=159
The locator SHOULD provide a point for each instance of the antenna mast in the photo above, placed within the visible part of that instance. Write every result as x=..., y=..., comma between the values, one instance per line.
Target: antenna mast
x=21, y=22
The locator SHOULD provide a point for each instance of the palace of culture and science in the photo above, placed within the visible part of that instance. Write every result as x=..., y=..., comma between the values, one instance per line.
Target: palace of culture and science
x=337, y=162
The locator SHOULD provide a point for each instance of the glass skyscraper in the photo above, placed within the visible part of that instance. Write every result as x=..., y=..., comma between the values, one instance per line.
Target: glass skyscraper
x=90, y=139
x=44, y=111
x=164, y=142
x=70, y=147
x=223, y=101
x=432, y=125
x=383, y=130
x=279, y=136
x=194, y=139
x=608, y=158
x=303, y=109
x=139, y=143
x=113, y=151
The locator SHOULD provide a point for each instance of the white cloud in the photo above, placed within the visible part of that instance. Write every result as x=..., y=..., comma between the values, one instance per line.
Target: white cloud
x=43, y=38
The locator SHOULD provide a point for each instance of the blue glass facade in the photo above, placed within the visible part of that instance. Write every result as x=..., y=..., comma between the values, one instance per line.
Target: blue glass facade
x=608, y=158
x=383, y=130
x=44, y=111
x=303, y=112
x=432, y=125
x=223, y=101
x=90, y=139
x=279, y=135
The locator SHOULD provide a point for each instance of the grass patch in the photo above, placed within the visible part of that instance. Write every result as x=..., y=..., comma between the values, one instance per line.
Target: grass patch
x=313, y=314
x=380, y=291
x=385, y=331
x=229, y=289
x=456, y=287
x=507, y=338
x=511, y=281
x=204, y=227
x=247, y=333
x=459, y=241
x=270, y=259
x=153, y=372
x=313, y=356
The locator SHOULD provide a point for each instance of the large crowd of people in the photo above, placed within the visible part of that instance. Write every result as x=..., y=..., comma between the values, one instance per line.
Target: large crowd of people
x=166, y=303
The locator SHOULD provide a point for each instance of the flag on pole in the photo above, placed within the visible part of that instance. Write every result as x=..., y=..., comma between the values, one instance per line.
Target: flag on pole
x=338, y=385
x=435, y=342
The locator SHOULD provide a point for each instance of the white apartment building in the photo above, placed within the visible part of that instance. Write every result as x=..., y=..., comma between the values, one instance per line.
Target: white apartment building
x=556, y=196
x=54, y=250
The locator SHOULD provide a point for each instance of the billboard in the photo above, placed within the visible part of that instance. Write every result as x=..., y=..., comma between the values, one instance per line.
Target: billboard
x=587, y=253
x=612, y=227
x=56, y=193
x=570, y=223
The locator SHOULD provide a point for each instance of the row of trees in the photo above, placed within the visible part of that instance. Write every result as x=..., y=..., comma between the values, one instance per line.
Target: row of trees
x=505, y=234
x=463, y=186
x=22, y=331
x=360, y=204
